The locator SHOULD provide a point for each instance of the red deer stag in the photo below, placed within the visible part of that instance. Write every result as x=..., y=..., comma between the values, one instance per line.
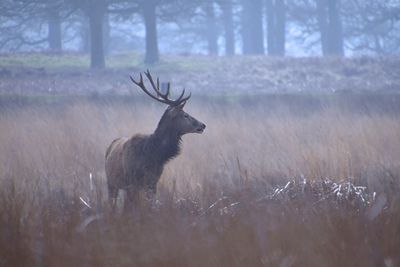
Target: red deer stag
x=135, y=164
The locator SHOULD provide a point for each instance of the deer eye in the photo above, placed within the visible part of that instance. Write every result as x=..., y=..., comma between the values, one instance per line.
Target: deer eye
x=186, y=116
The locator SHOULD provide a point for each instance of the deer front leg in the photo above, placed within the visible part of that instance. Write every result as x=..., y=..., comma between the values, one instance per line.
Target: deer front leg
x=112, y=196
x=151, y=192
x=151, y=187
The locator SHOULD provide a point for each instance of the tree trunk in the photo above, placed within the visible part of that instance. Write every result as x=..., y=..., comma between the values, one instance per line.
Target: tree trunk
x=54, y=35
x=270, y=27
x=229, y=28
x=96, y=15
x=106, y=34
x=335, y=28
x=330, y=26
x=84, y=32
x=252, y=27
x=323, y=26
x=280, y=27
x=150, y=21
x=276, y=27
x=212, y=35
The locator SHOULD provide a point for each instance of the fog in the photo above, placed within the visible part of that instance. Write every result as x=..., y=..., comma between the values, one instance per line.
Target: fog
x=223, y=27
x=265, y=133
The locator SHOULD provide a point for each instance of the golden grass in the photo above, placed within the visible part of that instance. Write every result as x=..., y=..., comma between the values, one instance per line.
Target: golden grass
x=47, y=154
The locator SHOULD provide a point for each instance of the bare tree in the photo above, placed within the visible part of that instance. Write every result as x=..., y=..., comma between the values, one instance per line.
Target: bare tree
x=319, y=16
x=211, y=25
x=153, y=11
x=229, y=27
x=252, y=27
x=372, y=26
x=32, y=23
x=150, y=21
x=330, y=26
x=54, y=22
x=96, y=12
x=106, y=34
x=276, y=27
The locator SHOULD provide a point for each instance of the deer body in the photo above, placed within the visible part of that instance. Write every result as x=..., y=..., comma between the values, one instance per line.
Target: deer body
x=135, y=164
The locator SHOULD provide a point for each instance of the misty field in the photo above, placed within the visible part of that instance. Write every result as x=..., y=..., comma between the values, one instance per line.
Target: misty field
x=292, y=157
x=277, y=181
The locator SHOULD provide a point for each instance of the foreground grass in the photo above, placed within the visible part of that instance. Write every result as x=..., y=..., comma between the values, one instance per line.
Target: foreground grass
x=225, y=201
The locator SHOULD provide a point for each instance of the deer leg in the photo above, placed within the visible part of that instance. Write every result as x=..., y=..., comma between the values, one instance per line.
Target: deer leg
x=151, y=192
x=112, y=196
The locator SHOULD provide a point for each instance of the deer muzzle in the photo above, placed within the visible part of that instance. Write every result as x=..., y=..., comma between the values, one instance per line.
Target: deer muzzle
x=200, y=128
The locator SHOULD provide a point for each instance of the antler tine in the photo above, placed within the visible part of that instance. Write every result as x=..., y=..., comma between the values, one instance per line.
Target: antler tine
x=159, y=93
x=156, y=89
x=185, y=98
x=161, y=97
x=158, y=84
x=141, y=85
x=168, y=88
x=180, y=97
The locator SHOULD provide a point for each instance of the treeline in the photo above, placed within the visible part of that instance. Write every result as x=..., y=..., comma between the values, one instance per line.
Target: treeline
x=220, y=27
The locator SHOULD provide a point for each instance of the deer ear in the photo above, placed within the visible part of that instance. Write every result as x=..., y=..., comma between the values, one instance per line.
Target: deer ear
x=181, y=105
x=174, y=110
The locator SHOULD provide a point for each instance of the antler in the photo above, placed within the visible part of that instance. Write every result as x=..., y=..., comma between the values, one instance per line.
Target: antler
x=160, y=97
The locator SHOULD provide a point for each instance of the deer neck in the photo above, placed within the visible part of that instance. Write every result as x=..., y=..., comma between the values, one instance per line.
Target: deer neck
x=166, y=143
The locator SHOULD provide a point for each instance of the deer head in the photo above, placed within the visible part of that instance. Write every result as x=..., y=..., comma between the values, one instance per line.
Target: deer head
x=175, y=120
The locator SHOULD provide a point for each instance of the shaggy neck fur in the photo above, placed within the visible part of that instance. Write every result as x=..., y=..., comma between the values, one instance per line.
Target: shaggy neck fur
x=166, y=141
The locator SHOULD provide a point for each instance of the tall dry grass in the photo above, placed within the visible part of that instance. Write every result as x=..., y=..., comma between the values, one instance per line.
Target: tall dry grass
x=214, y=203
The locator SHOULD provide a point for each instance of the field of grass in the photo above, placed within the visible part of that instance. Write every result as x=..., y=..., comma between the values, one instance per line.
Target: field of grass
x=54, y=62
x=269, y=183
x=299, y=164
x=37, y=73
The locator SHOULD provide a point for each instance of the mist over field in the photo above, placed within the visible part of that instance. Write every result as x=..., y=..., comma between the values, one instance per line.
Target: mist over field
x=298, y=165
